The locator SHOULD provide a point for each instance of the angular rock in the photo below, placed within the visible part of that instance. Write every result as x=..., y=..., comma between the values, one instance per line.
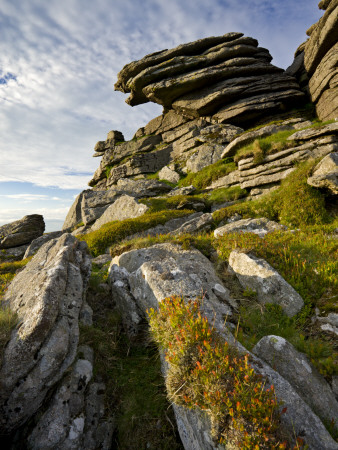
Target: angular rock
x=47, y=296
x=260, y=227
x=125, y=207
x=204, y=156
x=75, y=414
x=142, y=188
x=325, y=174
x=256, y=274
x=95, y=203
x=197, y=224
x=262, y=132
x=22, y=231
x=169, y=175
x=300, y=373
x=228, y=180
x=38, y=242
x=74, y=216
x=186, y=190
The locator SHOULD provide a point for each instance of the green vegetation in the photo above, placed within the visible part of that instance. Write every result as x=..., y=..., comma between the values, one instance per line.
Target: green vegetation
x=226, y=194
x=261, y=147
x=205, y=372
x=113, y=232
x=8, y=318
x=294, y=203
x=131, y=371
x=157, y=204
x=211, y=173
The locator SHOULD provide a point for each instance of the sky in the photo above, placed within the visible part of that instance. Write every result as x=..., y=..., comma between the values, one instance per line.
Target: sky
x=59, y=60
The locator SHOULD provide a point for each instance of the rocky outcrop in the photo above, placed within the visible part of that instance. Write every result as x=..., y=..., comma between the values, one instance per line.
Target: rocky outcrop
x=228, y=77
x=318, y=59
x=21, y=231
x=47, y=296
x=325, y=174
x=257, y=274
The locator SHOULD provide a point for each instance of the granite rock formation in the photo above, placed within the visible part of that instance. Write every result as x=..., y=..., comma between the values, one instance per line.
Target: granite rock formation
x=228, y=77
x=316, y=62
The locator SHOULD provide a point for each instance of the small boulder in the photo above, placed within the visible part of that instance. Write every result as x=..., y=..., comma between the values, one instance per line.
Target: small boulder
x=169, y=175
x=22, y=231
x=325, y=174
x=256, y=274
x=125, y=207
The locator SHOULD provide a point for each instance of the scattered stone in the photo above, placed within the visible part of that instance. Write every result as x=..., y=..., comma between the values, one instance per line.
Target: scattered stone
x=169, y=175
x=187, y=190
x=325, y=174
x=47, y=296
x=38, y=242
x=197, y=224
x=22, y=231
x=329, y=323
x=297, y=369
x=256, y=274
x=260, y=227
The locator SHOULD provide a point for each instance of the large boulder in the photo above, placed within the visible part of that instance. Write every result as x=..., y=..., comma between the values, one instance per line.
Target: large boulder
x=301, y=374
x=21, y=231
x=38, y=242
x=47, y=297
x=257, y=274
x=227, y=76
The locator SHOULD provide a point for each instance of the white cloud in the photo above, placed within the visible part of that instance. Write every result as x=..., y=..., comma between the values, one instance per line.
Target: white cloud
x=66, y=54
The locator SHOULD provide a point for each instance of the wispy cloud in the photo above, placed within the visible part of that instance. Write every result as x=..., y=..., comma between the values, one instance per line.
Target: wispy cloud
x=59, y=60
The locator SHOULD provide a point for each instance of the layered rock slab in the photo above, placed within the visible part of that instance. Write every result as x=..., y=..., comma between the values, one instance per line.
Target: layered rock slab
x=229, y=77
x=47, y=297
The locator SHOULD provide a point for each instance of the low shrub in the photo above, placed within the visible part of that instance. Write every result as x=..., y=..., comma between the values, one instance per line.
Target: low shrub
x=205, y=372
x=113, y=232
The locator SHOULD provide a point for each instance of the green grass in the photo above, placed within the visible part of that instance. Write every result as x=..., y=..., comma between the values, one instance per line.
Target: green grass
x=226, y=194
x=294, y=203
x=8, y=318
x=206, y=176
x=113, y=232
x=135, y=392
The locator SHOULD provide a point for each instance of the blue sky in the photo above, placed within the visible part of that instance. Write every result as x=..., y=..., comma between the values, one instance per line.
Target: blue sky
x=58, y=64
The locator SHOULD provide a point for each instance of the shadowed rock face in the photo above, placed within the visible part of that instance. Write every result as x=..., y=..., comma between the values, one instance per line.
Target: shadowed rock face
x=228, y=75
x=21, y=231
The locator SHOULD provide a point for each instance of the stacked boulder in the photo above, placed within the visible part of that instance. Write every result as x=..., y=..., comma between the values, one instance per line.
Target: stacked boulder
x=227, y=77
